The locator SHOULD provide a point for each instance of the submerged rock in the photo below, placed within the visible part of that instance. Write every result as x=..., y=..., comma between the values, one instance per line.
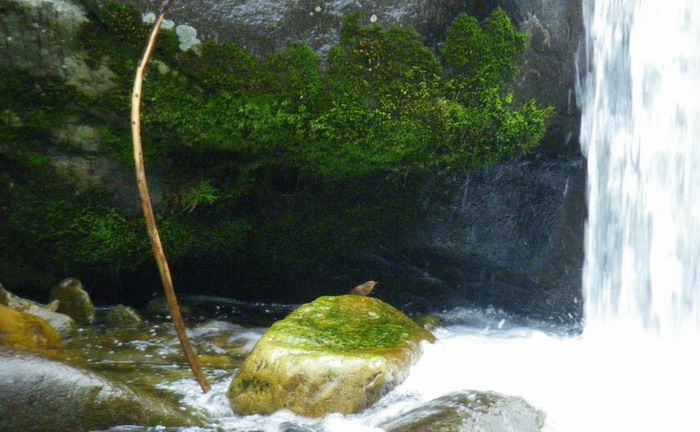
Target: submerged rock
x=336, y=354
x=43, y=395
x=428, y=322
x=74, y=300
x=469, y=411
x=23, y=331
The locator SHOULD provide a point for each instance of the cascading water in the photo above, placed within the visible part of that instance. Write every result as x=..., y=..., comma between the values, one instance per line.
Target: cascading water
x=641, y=134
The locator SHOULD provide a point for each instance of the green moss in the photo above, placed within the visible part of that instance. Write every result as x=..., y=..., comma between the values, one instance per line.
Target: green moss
x=346, y=324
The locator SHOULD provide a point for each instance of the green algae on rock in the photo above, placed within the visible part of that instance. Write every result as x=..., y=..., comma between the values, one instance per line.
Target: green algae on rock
x=335, y=354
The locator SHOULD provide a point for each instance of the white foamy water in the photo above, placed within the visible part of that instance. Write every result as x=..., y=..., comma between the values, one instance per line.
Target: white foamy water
x=581, y=385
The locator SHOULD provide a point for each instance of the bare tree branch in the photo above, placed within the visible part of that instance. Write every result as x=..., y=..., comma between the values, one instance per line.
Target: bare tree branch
x=156, y=244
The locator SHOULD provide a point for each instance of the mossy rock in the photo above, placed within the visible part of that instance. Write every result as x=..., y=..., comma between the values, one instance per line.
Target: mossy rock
x=23, y=331
x=74, y=301
x=43, y=395
x=123, y=316
x=336, y=354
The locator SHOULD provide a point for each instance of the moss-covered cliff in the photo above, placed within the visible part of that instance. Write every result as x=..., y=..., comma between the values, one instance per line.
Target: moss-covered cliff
x=265, y=170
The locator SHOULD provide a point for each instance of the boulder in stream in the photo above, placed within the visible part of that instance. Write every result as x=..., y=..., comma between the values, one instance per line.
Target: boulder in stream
x=469, y=411
x=74, y=301
x=40, y=395
x=335, y=354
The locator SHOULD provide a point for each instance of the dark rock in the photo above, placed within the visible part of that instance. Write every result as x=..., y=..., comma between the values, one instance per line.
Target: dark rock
x=469, y=412
x=510, y=237
x=43, y=395
x=428, y=322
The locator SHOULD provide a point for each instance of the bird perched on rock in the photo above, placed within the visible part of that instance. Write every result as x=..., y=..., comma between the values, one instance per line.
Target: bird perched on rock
x=364, y=289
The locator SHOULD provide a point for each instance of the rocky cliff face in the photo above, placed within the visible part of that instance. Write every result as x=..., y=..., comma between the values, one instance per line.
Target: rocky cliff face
x=510, y=236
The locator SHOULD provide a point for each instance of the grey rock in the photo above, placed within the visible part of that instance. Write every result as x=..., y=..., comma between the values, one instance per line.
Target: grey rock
x=469, y=411
x=43, y=395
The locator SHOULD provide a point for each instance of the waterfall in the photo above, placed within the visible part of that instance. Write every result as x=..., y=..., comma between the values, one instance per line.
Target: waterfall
x=641, y=135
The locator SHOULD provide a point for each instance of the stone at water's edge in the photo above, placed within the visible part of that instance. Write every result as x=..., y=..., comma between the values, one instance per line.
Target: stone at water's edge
x=40, y=395
x=335, y=354
x=469, y=411
x=63, y=324
x=23, y=331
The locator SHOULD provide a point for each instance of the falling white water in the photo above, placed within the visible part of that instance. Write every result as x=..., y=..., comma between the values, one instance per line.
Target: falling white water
x=641, y=279
x=641, y=135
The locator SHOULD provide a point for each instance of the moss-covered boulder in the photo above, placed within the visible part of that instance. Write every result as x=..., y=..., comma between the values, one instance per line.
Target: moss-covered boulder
x=40, y=395
x=23, y=331
x=336, y=354
x=74, y=301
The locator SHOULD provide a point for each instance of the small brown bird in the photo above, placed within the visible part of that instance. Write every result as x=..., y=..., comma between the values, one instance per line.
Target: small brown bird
x=364, y=289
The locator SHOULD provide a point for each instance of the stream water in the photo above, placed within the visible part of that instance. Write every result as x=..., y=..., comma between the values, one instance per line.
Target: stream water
x=634, y=365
